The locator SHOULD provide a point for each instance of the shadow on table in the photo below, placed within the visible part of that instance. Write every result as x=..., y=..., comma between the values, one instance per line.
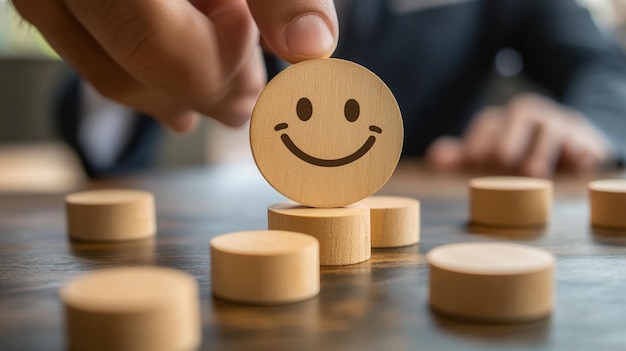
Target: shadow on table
x=527, y=333
x=506, y=233
x=134, y=252
x=608, y=236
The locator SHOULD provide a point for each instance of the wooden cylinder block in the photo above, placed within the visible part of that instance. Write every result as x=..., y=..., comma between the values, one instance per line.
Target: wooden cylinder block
x=607, y=203
x=343, y=233
x=510, y=201
x=394, y=221
x=110, y=215
x=133, y=308
x=491, y=282
x=265, y=267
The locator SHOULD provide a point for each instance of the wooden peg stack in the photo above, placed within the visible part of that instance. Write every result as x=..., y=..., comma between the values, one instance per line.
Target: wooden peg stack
x=325, y=133
x=343, y=233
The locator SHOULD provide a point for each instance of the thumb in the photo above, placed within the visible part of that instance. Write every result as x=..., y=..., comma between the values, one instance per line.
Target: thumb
x=297, y=30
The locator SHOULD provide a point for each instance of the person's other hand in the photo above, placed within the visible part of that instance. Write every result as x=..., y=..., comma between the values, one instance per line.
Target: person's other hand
x=531, y=135
x=174, y=58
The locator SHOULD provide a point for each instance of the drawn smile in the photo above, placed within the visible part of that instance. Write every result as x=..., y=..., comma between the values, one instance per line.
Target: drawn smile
x=291, y=146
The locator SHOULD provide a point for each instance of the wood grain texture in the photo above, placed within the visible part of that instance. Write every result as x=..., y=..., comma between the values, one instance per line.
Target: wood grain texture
x=378, y=304
x=394, y=220
x=265, y=267
x=491, y=282
x=110, y=215
x=326, y=133
x=343, y=233
x=510, y=201
x=132, y=309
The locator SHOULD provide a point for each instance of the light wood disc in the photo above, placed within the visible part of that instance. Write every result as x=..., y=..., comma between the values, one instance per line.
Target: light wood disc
x=343, y=233
x=394, y=220
x=607, y=201
x=110, y=215
x=491, y=282
x=133, y=308
x=326, y=133
x=510, y=201
x=265, y=267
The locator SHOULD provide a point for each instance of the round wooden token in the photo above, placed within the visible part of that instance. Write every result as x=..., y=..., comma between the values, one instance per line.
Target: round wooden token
x=491, y=282
x=265, y=267
x=510, y=201
x=394, y=221
x=326, y=133
x=343, y=233
x=110, y=215
x=607, y=199
x=133, y=308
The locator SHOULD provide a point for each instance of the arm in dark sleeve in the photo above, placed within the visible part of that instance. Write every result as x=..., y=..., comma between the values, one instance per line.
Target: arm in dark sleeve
x=139, y=149
x=564, y=51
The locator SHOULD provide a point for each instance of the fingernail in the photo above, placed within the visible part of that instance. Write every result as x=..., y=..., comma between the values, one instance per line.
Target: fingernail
x=309, y=36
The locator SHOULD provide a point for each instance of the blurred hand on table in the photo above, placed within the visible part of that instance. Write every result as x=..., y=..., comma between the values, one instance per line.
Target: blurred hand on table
x=531, y=135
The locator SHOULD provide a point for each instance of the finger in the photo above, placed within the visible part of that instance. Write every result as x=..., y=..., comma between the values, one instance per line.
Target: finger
x=65, y=34
x=571, y=154
x=518, y=127
x=478, y=141
x=187, y=50
x=445, y=153
x=297, y=30
x=545, y=150
x=585, y=149
x=241, y=97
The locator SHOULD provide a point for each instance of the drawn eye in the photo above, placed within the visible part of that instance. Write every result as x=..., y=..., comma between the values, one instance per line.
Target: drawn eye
x=304, y=109
x=351, y=110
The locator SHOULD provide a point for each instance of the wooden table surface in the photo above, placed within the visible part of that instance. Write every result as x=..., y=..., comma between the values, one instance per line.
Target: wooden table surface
x=381, y=304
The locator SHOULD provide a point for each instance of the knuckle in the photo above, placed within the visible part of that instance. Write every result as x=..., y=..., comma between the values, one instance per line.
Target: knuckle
x=487, y=118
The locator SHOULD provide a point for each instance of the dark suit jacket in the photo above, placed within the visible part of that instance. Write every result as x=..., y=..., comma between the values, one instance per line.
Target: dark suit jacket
x=438, y=60
x=137, y=154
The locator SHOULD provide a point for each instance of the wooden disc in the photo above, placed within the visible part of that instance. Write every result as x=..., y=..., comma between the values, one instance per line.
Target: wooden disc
x=394, y=221
x=110, y=215
x=133, y=308
x=607, y=200
x=265, y=267
x=326, y=133
x=491, y=282
x=510, y=201
x=343, y=233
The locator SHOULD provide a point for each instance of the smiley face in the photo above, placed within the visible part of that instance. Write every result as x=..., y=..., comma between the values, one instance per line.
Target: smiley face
x=326, y=133
x=304, y=110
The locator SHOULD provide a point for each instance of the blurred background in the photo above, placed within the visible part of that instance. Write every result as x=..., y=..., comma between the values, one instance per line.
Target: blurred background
x=33, y=159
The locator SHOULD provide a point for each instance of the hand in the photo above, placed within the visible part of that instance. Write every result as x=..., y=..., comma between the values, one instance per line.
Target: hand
x=532, y=135
x=174, y=58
